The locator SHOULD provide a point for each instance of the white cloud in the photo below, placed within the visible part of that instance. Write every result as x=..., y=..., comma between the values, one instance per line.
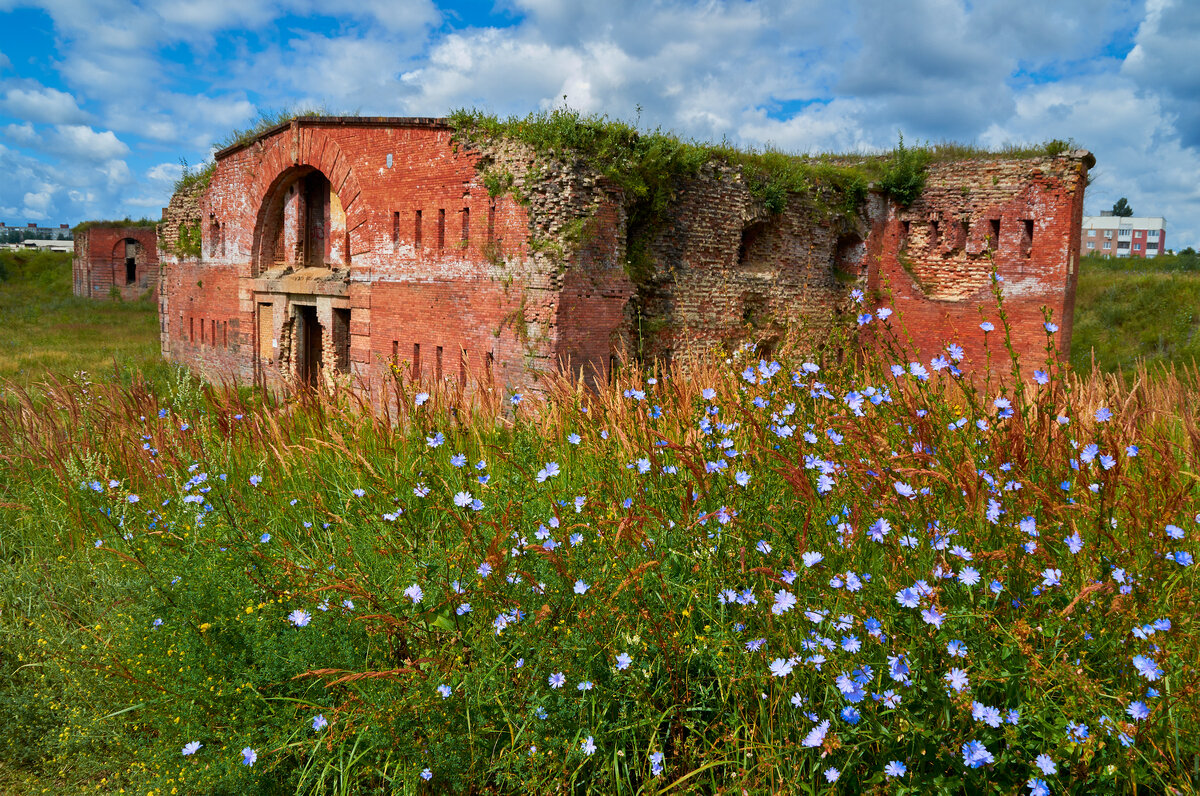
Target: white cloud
x=165, y=172
x=163, y=80
x=5, y=63
x=84, y=143
x=41, y=104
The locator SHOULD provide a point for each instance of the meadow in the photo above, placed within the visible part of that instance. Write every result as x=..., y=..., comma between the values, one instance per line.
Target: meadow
x=48, y=330
x=801, y=576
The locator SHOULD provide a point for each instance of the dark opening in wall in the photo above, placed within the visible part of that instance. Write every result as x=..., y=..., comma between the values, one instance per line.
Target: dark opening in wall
x=437, y=365
x=416, y=363
x=462, y=369
x=750, y=236
x=756, y=309
x=315, y=215
x=491, y=225
x=1027, y=237
x=935, y=234
x=994, y=234
x=765, y=348
x=395, y=352
x=130, y=270
x=341, y=340
x=441, y=230
x=396, y=230
x=417, y=230
x=848, y=257
x=489, y=362
x=905, y=227
x=466, y=226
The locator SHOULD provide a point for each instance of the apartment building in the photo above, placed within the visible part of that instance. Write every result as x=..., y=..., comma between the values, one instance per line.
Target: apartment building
x=1117, y=236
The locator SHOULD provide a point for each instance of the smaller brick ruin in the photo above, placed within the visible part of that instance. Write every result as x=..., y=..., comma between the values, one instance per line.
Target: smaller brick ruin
x=113, y=258
x=371, y=247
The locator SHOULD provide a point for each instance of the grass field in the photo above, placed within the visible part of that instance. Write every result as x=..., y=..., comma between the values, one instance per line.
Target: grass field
x=756, y=577
x=1130, y=310
x=48, y=330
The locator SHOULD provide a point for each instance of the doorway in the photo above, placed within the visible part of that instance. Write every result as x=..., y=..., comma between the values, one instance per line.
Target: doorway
x=310, y=345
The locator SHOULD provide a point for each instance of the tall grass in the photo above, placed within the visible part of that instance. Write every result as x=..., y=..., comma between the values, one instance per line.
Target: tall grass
x=49, y=330
x=717, y=564
x=1136, y=312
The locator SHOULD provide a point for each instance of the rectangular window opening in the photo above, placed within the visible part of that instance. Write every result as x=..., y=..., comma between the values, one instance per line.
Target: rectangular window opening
x=417, y=230
x=437, y=364
x=489, y=362
x=341, y=339
x=994, y=234
x=466, y=226
x=462, y=368
x=491, y=224
x=396, y=230
x=395, y=352
x=935, y=234
x=265, y=330
x=441, y=229
x=416, y=363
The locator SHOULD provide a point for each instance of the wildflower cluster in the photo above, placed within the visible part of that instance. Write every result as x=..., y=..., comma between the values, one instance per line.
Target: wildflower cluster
x=756, y=573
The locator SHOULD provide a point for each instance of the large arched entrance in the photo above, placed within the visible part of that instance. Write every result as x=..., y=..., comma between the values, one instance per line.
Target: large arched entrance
x=301, y=268
x=301, y=224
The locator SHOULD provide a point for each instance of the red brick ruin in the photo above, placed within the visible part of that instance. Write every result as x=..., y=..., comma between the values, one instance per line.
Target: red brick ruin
x=120, y=259
x=372, y=246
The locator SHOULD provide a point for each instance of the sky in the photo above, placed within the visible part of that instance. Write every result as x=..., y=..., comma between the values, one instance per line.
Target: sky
x=101, y=100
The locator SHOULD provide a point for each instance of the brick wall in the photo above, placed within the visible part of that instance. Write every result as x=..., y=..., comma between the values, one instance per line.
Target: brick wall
x=381, y=237
x=935, y=257
x=101, y=262
x=415, y=253
x=727, y=271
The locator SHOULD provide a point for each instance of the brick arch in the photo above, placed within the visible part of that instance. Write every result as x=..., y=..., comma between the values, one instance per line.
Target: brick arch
x=289, y=156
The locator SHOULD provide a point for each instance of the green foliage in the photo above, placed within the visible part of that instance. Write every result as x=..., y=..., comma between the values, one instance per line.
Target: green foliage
x=160, y=541
x=194, y=181
x=190, y=241
x=1121, y=208
x=498, y=182
x=648, y=167
x=48, y=332
x=268, y=119
x=903, y=174
x=1129, y=310
x=114, y=224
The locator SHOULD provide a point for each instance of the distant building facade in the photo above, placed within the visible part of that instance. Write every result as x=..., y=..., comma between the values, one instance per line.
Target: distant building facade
x=120, y=258
x=1130, y=236
x=45, y=245
x=33, y=230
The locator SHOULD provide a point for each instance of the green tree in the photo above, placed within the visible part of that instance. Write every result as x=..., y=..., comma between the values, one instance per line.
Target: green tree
x=1122, y=208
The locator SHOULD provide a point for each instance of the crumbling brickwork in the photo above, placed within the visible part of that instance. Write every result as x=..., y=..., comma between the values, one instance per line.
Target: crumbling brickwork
x=115, y=260
x=369, y=246
x=1019, y=217
x=726, y=271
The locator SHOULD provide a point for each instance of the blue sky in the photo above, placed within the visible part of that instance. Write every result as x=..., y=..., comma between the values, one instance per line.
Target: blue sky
x=100, y=99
